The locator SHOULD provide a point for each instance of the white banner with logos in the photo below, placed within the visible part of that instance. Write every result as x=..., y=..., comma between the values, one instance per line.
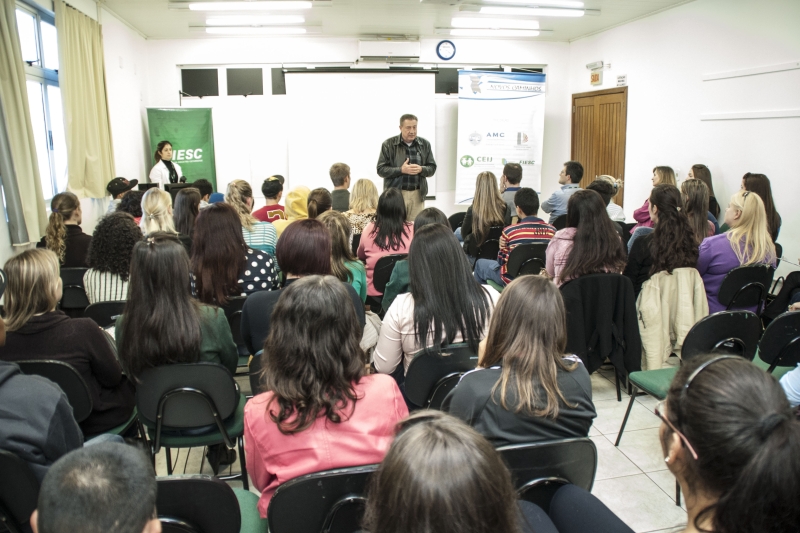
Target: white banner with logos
x=500, y=120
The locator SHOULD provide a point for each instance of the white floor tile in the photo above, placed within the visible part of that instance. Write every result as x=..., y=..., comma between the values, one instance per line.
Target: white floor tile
x=611, y=412
x=643, y=448
x=639, y=502
x=602, y=388
x=611, y=462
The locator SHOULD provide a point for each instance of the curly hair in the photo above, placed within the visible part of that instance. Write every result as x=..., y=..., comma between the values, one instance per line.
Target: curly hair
x=62, y=207
x=112, y=244
x=131, y=203
x=673, y=244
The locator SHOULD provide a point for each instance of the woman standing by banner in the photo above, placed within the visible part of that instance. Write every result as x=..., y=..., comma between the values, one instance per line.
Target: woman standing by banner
x=165, y=171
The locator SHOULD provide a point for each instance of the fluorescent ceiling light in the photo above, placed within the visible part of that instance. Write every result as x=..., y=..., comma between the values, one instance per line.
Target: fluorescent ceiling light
x=490, y=23
x=260, y=30
x=255, y=20
x=472, y=32
x=532, y=11
x=555, y=3
x=249, y=6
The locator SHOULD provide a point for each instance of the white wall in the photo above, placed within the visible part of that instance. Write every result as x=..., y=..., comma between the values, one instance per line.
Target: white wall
x=666, y=57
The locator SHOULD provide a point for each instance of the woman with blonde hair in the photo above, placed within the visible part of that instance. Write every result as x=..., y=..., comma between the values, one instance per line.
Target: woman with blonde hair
x=747, y=243
x=615, y=212
x=488, y=210
x=157, y=216
x=64, y=235
x=296, y=208
x=526, y=388
x=37, y=331
x=344, y=264
x=363, y=203
x=695, y=201
x=257, y=234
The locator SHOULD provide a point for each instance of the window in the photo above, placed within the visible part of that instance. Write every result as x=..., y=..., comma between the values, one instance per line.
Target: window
x=39, y=44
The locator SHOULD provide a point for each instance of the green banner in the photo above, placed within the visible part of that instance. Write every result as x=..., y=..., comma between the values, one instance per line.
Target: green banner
x=192, y=137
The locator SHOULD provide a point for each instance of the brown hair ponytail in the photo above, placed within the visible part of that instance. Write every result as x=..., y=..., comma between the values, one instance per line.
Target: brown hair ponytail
x=319, y=201
x=62, y=206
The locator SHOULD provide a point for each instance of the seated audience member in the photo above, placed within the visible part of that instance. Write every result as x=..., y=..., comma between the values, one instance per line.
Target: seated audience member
x=157, y=217
x=321, y=411
x=296, y=208
x=488, y=210
x=509, y=183
x=407, y=493
x=702, y=173
x=790, y=381
x=569, y=179
x=730, y=438
x=588, y=245
x=398, y=282
x=63, y=234
x=118, y=188
x=389, y=234
x=663, y=175
x=36, y=422
x=131, y=203
x=304, y=249
x=257, y=234
x=37, y=331
x=746, y=243
x=206, y=190
x=340, y=176
x=216, y=197
x=109, y=258
x=445, y=304
x=344, y=264
x=319, y=201
x=164, y=325
x=606, y=192
x=363, y=203
x=101, y=488
x=526, y=389
x=222, y=264
x=759, y=184
x=672, y=243
x=615, y=212
x=529, y=230
x=788, y=296
x=272, y=189
x=187, y=207
x=694, y=195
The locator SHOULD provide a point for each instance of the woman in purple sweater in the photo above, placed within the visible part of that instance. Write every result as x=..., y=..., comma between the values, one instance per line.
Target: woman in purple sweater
x=747, y=243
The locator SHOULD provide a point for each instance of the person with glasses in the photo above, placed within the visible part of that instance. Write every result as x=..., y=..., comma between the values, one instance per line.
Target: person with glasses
x=730, y=438
x=747, y=243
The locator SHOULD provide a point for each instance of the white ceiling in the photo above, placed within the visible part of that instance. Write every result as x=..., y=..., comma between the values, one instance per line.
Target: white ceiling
x=352, y=18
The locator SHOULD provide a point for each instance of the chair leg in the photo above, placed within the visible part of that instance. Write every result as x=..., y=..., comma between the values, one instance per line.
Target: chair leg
x=169, y=461
x=245, y=483
x=616, y=382
x=627, y=414
x=677, y=493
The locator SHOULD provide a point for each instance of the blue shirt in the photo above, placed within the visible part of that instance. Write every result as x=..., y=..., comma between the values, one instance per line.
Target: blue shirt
x=556, y=205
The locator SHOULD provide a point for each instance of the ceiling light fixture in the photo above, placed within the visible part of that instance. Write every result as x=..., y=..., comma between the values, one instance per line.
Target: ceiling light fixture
x=249, y=6
x=554, y=3
x=255, y=20
x=258, y=30
x=532, y=11
x=474, y=32
x=491, y=23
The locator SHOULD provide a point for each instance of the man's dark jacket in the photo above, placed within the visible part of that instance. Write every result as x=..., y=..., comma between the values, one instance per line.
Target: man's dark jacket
x=393, y=155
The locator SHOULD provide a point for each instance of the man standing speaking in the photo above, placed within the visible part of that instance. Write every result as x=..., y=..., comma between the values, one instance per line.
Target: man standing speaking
x=406, y=161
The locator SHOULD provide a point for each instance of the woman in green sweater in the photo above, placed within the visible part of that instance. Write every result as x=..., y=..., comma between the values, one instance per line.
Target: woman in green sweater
x=344, y=264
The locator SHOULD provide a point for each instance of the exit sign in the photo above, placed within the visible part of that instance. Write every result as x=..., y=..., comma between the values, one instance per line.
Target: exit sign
x=597, y=77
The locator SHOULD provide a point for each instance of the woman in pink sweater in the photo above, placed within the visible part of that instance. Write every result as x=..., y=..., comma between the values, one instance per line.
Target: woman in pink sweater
x=642, y=215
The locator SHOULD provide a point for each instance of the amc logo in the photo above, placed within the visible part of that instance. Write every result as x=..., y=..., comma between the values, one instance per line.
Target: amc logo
x=189, y=155
x=495, y=135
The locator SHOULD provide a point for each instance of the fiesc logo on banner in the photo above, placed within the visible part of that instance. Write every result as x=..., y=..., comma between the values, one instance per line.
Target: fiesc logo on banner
x=192, y=156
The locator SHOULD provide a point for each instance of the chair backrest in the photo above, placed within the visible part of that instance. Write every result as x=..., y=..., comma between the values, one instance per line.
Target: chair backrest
x=433, y=372
x=746, y=286
x=560, y=222
x=539, y=469
x=780, y=345
x=383, y=270
x=197, y=503
x=491, y=245
x=74, y=294
x=233, y=312
x=456, y=220
x=735, y=332
x=331, y=502
x=105, y=313
x=778, y=250
x=68, y=379
x=3, y=282
x=356, y=242
x=186, y=394
x=19, y=492
x=526, y=259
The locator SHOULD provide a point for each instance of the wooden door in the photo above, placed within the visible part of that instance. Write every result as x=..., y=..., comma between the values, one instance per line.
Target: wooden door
x=599, y=120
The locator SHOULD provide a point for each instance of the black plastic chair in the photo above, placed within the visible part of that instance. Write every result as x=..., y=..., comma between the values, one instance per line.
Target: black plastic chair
x=560, y=222
x=73, y=300
x=204, y=504
x=233, y=312
x=434, y=372
x=538, y=470
x=105, y=313
x=383, y=270
x=19, y=492
x=778, y=250
x=356, y=242
x=780, y=345
x=65, y=376
x=491, y=245
x=178, y=397
x=331, y=502
x=526, y=259
x=3, y=282
x=746, y=286
x=456, y=220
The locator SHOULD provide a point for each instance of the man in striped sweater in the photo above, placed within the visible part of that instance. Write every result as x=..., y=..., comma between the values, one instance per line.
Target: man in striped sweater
x=529, y=230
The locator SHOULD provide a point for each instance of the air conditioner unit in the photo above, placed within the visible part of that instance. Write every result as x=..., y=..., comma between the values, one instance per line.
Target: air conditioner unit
x=389, y=51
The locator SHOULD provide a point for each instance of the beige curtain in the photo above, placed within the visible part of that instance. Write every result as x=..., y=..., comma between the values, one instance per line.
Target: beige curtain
x=19, y=168
x=81, y=76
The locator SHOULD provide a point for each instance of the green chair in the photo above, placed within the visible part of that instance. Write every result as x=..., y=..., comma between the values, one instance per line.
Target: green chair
x=192, y=405
x=779, y=349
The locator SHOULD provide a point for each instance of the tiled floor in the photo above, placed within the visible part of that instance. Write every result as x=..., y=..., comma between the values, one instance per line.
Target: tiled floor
x=631, y=480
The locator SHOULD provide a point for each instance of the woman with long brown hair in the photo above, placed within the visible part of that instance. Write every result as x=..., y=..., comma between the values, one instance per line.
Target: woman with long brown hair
x=321, y=411
x=702, y=173
x=63, y=235
x=165, y=171
x=526, y=388
x=488, y=210
x=344, y=264
x=187, y=207
x=759, y=184
x=661, y=174
x=695, y=198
